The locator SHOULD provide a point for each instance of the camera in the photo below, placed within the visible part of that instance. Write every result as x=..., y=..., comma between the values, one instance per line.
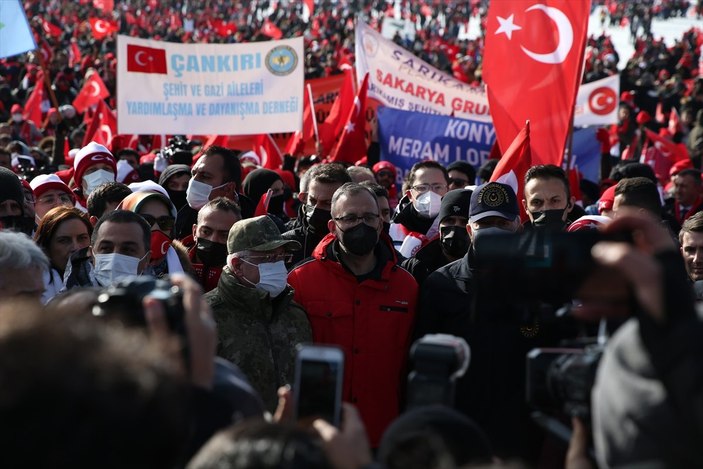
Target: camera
x=180, y=150
x=438, y=361
x=123, y=301
x=560, y=380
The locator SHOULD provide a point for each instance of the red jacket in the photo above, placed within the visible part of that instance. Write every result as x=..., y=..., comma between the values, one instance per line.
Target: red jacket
x=371, y=320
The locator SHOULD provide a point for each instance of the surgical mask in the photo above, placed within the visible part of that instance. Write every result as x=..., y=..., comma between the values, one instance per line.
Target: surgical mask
x=198, y=193
x=273, y=277
x=17, y=118
x=317, y=219
x=454, y=240
x=481, y=234
x=109, y=268
x=360, y=239
x=549, y=219
x=160, y=243
x=428, y=204
x=93, y=180
x=211, y=253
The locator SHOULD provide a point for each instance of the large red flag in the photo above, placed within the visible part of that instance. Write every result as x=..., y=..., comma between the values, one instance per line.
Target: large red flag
x=268, y=151
x=51, y=29
x=93, y=90
x=532, y=68
x=334, y=123
x=297, y=141
x=514, y=163
x=74, y=54
x=32, y=107
x=102, y=28
x=107, y=6
x=352, y=145
x=271, y=30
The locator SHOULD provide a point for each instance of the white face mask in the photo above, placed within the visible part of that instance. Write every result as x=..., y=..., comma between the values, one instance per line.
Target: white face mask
x=198, y=193
x=428, y=204
x=273, y=277
x=17, y=118
x=109, y=268
x=93, y=180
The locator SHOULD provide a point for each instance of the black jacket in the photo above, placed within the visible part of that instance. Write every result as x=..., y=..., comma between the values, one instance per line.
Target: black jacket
x=492, y=391
x=299, y=230
x=427, y=260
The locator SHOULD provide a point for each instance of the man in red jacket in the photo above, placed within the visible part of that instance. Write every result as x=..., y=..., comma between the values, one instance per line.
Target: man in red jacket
x=357, y=297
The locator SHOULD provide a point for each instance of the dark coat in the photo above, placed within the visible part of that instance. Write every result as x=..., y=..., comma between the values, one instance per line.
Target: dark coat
x=299, y=230
x=427, y=260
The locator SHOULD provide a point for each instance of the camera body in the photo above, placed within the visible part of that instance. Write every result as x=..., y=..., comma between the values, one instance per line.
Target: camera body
x=179, y=150
x=123, y=301
x=438, y=361
x=560, y=380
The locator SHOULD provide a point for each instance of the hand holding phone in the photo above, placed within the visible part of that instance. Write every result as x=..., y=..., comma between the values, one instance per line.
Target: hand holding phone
x=319, y=372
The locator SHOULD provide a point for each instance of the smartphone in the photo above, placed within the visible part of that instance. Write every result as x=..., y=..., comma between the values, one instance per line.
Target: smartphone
x=319, y=372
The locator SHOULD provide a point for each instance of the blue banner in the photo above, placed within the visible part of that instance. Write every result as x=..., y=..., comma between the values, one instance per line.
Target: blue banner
x=586, y=150
x=409, y=137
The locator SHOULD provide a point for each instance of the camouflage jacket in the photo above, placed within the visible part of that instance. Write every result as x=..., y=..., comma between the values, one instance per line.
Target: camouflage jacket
x=259, y=334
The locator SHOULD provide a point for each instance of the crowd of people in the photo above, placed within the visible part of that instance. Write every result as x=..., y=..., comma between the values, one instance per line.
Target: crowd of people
x=153, y=293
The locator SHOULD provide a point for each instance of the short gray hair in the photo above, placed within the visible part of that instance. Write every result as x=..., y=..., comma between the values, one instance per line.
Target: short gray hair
x=351, y=189
x=19, y=252
x=360, y=174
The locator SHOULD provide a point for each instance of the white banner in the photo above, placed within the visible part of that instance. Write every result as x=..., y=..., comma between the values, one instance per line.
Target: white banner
x=15, y=35
x=597, y=102
x=401, y=80
x=223, y=89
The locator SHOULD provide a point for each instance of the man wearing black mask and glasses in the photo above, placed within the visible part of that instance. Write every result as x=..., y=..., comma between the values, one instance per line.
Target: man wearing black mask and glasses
x=548, y=201
x=357, y=297
x=316, y=189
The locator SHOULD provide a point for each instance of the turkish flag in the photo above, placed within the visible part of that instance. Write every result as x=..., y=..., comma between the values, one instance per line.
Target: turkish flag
x=32, y=107
x=93, y=90
x=102, y=28
x=271, y=30
x=352, y=146
x=268, y=151
x=74, y=54
x=103, y=126
x=51, y=29
x=105, y=5
x=514, y=163
x=532, y=68
x=146, y=59
x=296, y=143
x=333, y=125
x=308, y=9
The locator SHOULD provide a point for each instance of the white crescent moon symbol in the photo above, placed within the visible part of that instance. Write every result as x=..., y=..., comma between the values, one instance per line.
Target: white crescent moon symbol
x=96, y=89
x=600, y=102
x=136, y=58
x=100, y=26
x=164, y=245
x=566, y=36
x=108, y=132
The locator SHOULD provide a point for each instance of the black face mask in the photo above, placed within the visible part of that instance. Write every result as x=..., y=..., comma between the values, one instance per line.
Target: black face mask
x=276, y=204
x=360, y=239
x=20, y=224
x=317, y=219
x=454, y=240
x=211, y=253
x=549, y=219
x=178, y=198
x=387, y=228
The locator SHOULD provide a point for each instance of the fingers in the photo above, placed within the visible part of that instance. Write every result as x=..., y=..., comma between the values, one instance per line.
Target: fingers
x=284, y=410
x=351, y=419
x=577, y=455
x=648, y=232
x=327, y=431
x=155, y=317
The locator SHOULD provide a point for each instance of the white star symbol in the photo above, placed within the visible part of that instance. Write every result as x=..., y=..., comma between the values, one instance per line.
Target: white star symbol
x=507, y=26
x=349, y=128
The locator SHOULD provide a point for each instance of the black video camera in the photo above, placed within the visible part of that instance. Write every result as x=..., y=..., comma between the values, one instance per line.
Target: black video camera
x=123, y=301
x=180, y=150
x=438, y=361
x=560, y=380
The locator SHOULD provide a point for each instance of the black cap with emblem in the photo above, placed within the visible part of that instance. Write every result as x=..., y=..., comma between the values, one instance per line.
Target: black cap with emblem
x=455, y=203
x=493, y=199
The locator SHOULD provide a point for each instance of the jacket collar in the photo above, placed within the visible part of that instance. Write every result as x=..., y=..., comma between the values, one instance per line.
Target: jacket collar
x=410, y=218
x=252, y=300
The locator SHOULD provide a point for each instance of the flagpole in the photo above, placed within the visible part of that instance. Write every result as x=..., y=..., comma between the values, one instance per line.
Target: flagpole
x=570, y=145
x=312, y=110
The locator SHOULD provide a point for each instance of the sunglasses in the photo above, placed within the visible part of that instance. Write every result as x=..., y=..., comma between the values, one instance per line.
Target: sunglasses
x=165, y=222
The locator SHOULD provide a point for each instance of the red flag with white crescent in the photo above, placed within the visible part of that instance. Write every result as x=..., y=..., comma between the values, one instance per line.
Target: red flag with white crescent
x=93, y=90
x=532, y=68
x=102, y=28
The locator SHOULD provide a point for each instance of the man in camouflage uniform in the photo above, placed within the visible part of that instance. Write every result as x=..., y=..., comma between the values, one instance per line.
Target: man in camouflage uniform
x=258, y=323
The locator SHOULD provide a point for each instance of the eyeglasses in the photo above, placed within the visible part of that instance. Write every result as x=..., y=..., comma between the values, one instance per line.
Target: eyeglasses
x=349, y=220
x=270, y=258
x=422, y=188
x=53, y=199
x=459, y=182
x=165, y=222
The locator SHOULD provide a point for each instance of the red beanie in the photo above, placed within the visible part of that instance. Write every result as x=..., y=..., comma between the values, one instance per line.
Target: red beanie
x=606, y=199
x=381, y=165
x=88, y=156
x=643, y=117
x=49, y=182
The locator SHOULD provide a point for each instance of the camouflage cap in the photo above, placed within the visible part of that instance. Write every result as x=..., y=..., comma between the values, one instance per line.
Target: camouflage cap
x=257, y=234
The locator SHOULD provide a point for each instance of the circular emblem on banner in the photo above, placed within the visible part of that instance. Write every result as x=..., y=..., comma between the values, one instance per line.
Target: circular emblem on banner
x=370, y=44
x=281, y=60
x=493, y=196
x=602, y=101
